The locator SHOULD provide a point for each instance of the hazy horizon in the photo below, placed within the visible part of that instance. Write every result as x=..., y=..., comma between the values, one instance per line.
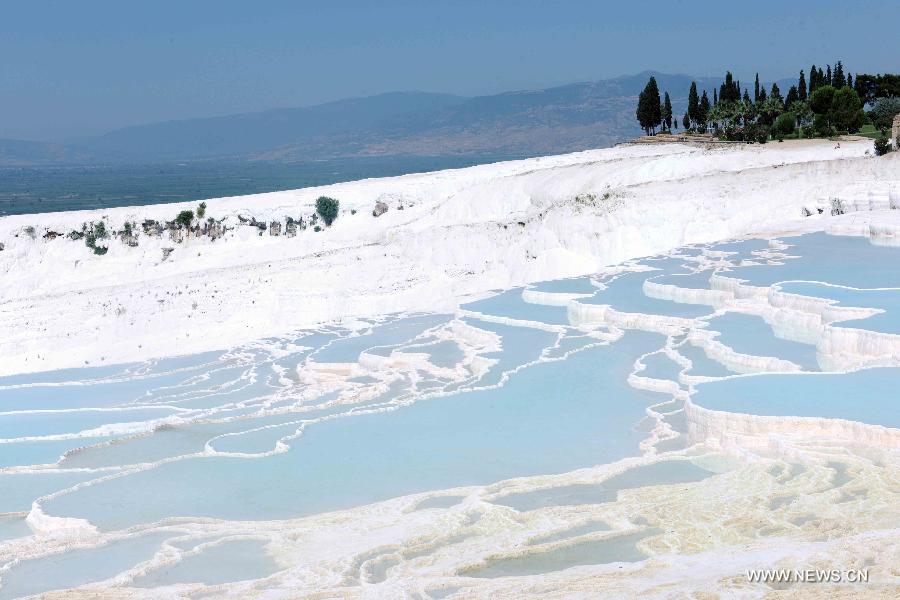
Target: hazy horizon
x=81, y=70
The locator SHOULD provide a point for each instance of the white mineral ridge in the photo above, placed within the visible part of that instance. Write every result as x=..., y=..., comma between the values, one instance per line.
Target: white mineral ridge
x=461, y=232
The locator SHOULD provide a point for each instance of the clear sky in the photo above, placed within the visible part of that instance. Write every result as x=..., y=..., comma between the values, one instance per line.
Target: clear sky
x=72, y=68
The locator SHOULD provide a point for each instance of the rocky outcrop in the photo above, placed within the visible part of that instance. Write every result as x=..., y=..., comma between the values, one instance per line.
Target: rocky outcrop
x=275, y=228
x=176, y=234
x=215, y=230
x=152, y=228
x=380, y=209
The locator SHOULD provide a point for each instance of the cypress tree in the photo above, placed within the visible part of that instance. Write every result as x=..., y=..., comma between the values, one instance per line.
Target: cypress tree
x=704, y=107
x=801, y=88
x=837, y=78
x=729, y=91
x=641, y=112
x=756, y=89
x=667, y=112
x=762, y=96
x=828, y=80
x=776, y=93
x=746, y=96
x=849, y=80
x=715, y=97
x=821, y=78
x=693, y=103
x=686, y=121
x=792, y=96
x=655, y=105
x=649, y=113
x=813, y=79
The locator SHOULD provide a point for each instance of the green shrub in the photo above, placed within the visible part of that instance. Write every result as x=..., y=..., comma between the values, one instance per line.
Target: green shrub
x=184, y=218
x=822, y=127
x=883, y=113
x=327, y=208
x=882, y=146
x=96, y=232
x=317, y=228
x=201, y=210
x=784, y=124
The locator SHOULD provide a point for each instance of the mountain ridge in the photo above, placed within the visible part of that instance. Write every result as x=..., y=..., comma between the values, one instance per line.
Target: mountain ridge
x=565, y=118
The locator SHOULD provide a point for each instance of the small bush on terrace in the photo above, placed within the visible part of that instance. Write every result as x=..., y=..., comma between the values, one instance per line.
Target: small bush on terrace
x=201, y=210
x=882, y=146
x=184, y=218
x=96, y=232
x=327, y=208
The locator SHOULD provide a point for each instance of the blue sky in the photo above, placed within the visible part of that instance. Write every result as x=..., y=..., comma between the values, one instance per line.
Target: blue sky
x=80, y=68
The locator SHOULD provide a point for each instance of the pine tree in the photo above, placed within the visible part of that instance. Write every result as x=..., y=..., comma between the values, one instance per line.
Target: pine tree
x=813, y=79
x=837, y=78
x=761, y=97
x=667, y=112
x=694, y=103
x=746, y=96
x=756, y=89
x=801, y=88
x=849, y=80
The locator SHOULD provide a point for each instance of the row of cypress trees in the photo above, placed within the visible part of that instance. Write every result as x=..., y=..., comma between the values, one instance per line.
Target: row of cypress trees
x=651, y=113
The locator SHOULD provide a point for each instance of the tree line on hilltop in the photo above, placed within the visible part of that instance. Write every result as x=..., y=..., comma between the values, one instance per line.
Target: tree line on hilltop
x=830, y=102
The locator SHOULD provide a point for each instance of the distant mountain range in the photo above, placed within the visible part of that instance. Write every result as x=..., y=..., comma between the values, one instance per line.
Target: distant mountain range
x=559, y=119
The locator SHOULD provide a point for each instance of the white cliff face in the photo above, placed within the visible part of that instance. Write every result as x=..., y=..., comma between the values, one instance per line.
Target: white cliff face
x=460, y=232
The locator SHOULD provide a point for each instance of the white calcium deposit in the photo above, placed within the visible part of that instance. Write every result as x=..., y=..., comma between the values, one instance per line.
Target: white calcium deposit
x=460, y=232
x=783, y=492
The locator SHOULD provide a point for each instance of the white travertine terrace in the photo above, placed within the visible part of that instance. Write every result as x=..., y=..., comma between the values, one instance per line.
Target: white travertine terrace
x=785, y=491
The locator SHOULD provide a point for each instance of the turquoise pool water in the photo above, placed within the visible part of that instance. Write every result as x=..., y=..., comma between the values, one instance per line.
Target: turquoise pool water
x=867, y=396
x=886, y=300
x=749, y=334
x=277, y=430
